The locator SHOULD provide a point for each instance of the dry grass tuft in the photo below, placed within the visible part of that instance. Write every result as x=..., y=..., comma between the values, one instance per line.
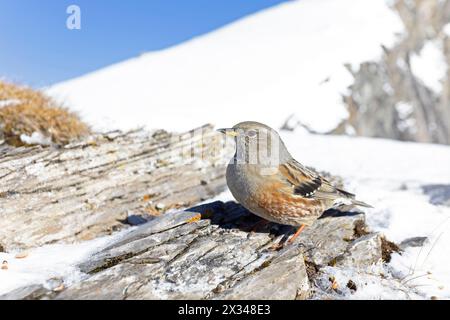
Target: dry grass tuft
x=24, y=111
x=388, y=248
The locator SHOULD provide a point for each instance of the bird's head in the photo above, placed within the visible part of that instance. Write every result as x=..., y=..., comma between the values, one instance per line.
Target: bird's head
x=256, y=143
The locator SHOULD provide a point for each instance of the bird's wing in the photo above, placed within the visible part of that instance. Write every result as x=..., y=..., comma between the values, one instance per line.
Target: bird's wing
x=306, y=183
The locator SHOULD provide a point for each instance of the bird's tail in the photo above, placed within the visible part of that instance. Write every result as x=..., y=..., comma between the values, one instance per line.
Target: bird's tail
x=355, y=202
x=361, y=204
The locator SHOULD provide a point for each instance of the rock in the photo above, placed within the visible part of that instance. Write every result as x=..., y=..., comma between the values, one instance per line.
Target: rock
x=143, y=238
x=137, y=219
x=208, y=252
x=439, y=193
x=184, y=262
x=413, y=242
x=86, y=189
x=284, y=278
x=32, y=292
x=362, y=252
x=329, y=236
x=388, y=97
x=161, y=206
x=55, y=284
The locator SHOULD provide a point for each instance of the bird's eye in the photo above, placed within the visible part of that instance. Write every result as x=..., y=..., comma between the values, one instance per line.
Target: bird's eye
x=251, y=133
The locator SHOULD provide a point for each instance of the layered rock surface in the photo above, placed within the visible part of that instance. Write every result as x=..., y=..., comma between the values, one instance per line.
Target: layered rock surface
x=211, y=252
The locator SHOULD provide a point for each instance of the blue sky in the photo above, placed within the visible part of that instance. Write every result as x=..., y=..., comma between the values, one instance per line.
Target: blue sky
x=36, y=48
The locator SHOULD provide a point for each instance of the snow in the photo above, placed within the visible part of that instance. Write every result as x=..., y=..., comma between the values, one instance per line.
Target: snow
x=446, y=29
x=36, y=138
x=285, y=60
x=40, y=265
x=404, y=112
x=372, y=284
x=9, y=102
x=430, y=65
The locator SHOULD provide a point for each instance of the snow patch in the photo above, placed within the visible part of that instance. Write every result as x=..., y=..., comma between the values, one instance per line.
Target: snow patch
x=430, y=65
x=36, y=138
x=404, y=110
x=47, y=262
x=446, y=29
x=9, y=102
x=373, y=283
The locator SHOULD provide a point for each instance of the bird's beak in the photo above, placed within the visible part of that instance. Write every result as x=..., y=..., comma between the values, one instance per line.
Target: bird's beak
x=228, y=131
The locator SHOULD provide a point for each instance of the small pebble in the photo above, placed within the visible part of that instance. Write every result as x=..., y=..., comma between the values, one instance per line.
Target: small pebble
x=21, y=255
x=147, y=197
x=160, y=206
x=351, y=285
x=413, y=242
x=135, y=220
x=55, y=284
x=60, y=288
x=334, y=284
x=195, y=218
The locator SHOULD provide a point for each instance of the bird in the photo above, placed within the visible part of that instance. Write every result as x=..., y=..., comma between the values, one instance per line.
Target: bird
x=265, y=179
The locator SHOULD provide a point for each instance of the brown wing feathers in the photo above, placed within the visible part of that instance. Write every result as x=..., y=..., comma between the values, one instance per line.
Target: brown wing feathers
x=303, y=182
x=308, y=184
x=307, y=189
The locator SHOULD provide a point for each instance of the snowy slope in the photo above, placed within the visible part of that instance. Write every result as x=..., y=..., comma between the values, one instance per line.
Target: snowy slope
x=285, y=60
x=387, y=174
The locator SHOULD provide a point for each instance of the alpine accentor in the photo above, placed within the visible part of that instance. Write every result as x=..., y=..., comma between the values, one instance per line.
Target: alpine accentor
x=269, y=182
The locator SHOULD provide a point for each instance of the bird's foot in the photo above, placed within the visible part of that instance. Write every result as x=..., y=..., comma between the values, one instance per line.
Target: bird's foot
x=277, y=246
x=296, y=234
x=281, y=244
